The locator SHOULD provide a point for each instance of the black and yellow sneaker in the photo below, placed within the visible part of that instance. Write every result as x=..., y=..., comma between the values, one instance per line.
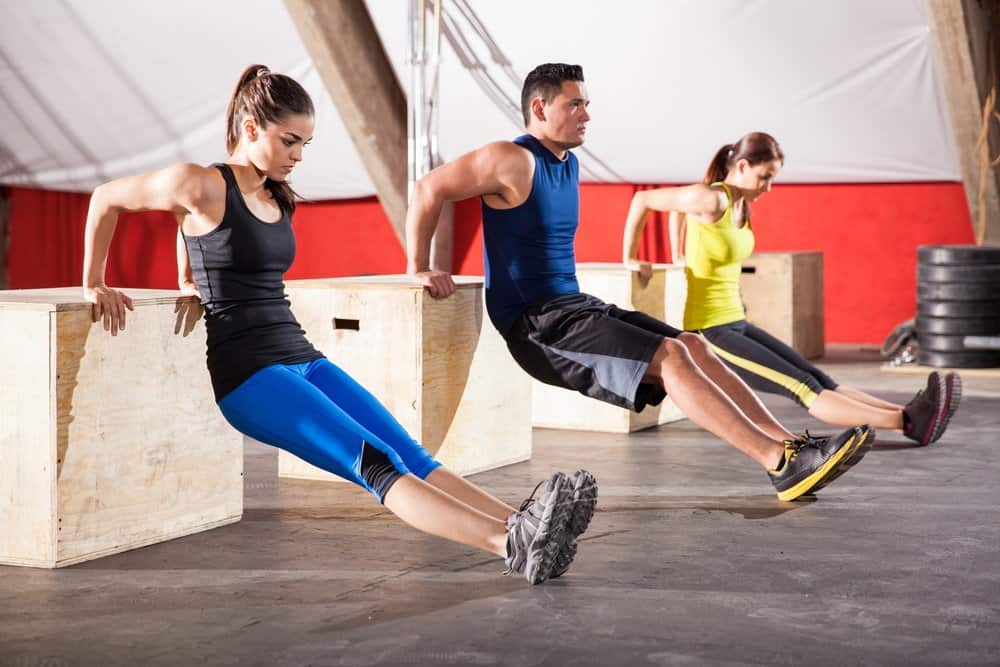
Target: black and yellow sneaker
x=807, y=465
x=862, y=445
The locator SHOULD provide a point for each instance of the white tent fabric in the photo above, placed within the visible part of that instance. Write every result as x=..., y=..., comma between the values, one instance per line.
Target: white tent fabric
x=96, y=89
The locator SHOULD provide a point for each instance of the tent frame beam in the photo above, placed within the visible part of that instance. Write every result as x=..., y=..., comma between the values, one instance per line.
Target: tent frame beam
x=963, y=30
x=342, y=41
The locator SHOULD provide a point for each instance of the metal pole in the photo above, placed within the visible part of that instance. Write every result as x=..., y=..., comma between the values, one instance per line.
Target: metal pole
x=425, y=62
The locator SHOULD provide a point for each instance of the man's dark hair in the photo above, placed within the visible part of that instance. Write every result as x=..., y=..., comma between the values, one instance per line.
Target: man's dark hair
x=545, y=81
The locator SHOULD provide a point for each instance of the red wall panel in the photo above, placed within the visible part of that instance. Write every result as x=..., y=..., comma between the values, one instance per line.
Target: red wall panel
x=867, y=232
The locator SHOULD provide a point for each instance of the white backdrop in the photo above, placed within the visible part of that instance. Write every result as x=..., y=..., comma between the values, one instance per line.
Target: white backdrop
x=96, y=89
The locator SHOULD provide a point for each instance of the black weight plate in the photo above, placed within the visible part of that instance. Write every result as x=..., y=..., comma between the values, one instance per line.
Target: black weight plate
x=957, y=325
x=981, y=342
x=969, y=359
x=987, y=273
x=939, y=343
x=957, y=292
x=958, y=254
x=930, y=308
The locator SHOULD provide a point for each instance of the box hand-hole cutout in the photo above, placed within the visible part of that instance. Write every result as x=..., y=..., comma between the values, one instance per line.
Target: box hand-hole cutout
x=343, y=323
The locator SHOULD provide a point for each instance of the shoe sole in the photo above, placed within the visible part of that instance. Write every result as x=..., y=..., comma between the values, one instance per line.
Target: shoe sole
x=863, y=446
x=584, y=504
x=824, y=470
x=935, y=428
x=549, y=537
x=951, y=386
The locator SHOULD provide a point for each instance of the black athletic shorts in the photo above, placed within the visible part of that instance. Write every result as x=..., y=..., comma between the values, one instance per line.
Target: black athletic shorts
x=576, y=341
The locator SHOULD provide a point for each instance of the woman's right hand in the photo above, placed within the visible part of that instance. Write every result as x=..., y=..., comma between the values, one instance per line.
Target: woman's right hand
x=643, y=268
x=188, y=288
x=110, y=305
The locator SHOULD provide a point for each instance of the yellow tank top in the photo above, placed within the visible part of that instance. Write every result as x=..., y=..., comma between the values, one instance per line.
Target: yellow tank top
x=714, y=253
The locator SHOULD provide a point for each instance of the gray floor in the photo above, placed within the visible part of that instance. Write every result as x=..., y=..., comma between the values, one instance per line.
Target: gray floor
x=690, y=560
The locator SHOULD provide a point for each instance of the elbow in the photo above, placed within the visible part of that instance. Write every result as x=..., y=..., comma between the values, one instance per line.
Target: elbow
x=100, y=201
x=423, y=198
x=419, y=191
x=424, y=193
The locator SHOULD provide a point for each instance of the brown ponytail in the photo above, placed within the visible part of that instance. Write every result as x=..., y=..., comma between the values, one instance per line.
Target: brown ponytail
x=755, y=148
x=267, y=98
x=718, y=167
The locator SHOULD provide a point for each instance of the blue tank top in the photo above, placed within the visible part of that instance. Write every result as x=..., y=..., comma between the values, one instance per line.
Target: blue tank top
x=528, y=249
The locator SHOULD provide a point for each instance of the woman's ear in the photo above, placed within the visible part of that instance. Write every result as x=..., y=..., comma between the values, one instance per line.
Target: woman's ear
x=250, y=129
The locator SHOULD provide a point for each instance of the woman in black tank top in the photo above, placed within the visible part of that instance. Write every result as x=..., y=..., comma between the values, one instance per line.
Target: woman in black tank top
x=235, y=244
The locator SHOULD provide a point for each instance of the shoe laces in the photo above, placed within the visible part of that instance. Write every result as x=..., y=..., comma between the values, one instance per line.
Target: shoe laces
x=793, y=447
x=916, y=398
x=527, y=502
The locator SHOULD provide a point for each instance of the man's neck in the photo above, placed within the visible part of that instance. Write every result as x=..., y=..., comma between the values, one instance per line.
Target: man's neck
x=553, y=147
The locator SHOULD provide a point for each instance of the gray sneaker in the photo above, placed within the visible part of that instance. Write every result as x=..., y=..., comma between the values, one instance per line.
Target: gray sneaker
x=536, y=533
x=584, y=503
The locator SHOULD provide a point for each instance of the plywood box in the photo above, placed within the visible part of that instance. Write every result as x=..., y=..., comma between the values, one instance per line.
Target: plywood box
x=108, y=443
x=674, y=293
x=554, y=407
x=783, y=294
x=438, y=365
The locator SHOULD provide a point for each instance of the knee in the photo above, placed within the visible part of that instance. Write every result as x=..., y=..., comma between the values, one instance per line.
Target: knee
x=673, y=353
x=697, y=346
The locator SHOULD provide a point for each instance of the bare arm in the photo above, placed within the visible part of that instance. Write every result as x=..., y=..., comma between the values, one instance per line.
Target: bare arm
x=677, y=231
x=177, y=188
x=185, y=278
x=699, y=200
x=493, y=169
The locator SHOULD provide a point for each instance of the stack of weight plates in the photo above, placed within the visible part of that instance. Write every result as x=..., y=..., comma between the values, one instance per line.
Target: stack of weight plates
x=958, y=296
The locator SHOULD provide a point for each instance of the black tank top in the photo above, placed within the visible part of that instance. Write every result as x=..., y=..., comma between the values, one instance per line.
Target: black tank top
x=239, y=268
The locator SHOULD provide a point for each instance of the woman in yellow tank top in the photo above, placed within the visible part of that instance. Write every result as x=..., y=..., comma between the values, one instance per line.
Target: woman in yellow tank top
x=713, y=219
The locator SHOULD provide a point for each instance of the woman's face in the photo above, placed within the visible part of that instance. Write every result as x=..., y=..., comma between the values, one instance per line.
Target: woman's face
x=276, y=148
x=756, y=179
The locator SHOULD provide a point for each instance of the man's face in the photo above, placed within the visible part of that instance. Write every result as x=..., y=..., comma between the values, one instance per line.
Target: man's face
x=566, y=115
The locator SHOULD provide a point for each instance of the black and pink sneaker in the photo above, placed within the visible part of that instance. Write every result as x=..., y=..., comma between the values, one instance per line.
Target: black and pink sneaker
x=952, y=395
x=926, y=415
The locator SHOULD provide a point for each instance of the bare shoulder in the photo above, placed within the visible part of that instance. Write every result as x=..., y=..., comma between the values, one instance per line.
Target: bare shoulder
x=192, y=187
x=511, y=162
x=708, y=200
x=506, y=154
x=698, y=200
x=194, y=183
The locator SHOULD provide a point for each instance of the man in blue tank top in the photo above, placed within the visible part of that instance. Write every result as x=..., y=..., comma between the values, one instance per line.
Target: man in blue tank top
x=529, y=189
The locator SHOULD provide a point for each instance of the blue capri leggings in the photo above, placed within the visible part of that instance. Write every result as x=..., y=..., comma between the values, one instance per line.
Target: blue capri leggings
x=319, y=413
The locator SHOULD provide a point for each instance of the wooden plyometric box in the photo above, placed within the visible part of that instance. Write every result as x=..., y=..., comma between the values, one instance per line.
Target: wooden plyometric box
x=438, y=365
x=108, y=443
x=674, y=293
x=783, y=294
x=554, y=407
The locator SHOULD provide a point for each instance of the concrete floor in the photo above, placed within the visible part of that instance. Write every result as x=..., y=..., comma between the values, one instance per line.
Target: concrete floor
x=690, y=560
